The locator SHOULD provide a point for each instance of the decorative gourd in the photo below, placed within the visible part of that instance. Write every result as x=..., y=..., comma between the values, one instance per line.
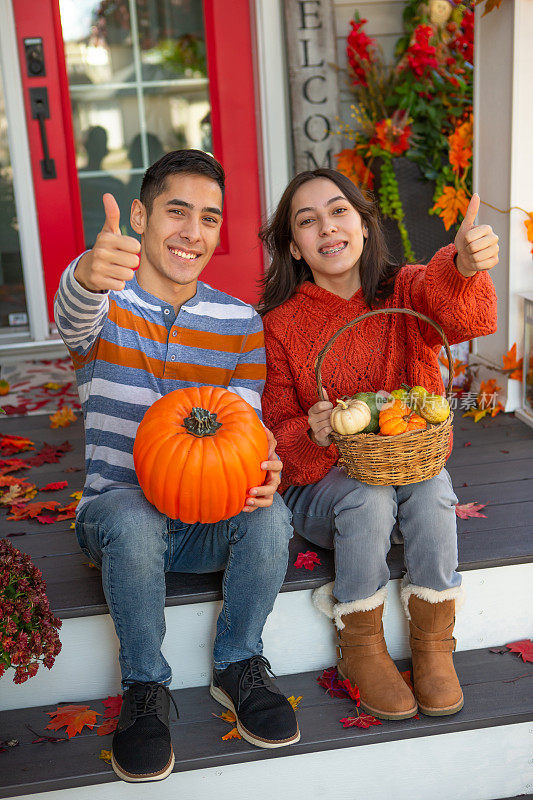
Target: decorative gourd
x=370, y=398
x=399, y=419
x=197, y=453
x=350, y=416
x=435, y=409
x=417, y=397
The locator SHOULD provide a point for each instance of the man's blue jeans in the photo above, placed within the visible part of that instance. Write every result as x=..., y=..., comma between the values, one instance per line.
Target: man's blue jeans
x=134, y=544
x=357, y=521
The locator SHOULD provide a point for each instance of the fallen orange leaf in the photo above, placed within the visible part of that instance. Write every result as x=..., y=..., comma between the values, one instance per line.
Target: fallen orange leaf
x=512, y=363
x=233, y=734
x=105, y=755
x=62, y=418
x=107, y=726
x=74, y=717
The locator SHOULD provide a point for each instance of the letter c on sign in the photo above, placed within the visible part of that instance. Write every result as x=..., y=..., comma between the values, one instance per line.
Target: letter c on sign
x=305, y=89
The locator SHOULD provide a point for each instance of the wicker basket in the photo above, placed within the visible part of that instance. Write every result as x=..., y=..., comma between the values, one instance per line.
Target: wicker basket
x=392, y=460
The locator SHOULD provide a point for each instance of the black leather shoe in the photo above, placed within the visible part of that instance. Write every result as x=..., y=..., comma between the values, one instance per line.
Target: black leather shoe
x=142, y=748
x=264, y=715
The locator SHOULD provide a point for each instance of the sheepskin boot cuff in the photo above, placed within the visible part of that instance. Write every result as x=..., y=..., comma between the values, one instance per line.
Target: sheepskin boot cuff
x=324, y=600
x=430, y=595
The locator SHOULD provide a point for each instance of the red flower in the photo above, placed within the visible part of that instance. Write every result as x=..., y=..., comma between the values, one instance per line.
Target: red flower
x=391, y=137
x=359, y=51
x=421, y=55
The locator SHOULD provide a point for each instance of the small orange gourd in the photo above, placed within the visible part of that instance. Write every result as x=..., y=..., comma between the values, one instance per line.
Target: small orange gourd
x=398, y=418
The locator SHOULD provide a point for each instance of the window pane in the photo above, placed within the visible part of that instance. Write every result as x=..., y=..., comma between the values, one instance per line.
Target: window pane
x=13, y=313
x=179, y=116
x=172, y=39
x=98, y=41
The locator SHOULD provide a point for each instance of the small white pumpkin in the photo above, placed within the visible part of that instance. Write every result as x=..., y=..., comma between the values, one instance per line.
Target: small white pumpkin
x=349, y=417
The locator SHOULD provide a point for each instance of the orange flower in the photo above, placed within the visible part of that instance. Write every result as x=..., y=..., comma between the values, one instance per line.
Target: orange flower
x=460, y=142
x=391, y=137
x=350, y=163
x=450, y=204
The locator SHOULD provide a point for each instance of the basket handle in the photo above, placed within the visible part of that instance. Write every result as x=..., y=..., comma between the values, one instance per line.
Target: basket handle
x=321, y=356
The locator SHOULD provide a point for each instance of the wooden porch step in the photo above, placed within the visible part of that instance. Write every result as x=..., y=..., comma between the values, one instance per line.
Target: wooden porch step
x=482, y=752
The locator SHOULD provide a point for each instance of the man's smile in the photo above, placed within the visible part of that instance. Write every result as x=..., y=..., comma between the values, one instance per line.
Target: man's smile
x=188, y=255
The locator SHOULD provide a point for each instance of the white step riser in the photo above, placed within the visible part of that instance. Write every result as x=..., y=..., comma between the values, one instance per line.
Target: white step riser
x=469, y=765
x=297, y=638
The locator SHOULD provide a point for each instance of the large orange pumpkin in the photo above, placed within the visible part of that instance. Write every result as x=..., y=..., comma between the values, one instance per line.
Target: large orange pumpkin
x=198, y=452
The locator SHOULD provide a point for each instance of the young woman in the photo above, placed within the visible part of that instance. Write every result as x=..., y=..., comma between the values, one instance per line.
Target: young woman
x=330, y=264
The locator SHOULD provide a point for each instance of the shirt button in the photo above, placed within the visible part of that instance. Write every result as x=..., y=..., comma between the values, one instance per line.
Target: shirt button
x=174, y=333
x=172, y=358
x=166, y=311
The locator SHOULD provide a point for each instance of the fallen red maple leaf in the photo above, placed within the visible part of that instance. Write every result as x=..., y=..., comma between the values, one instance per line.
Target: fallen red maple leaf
x=108, y=726
x=308, y=560
x=353, y=691
x=12, y=465
x=45, y=520
x=49, y=454
x=73, y=717
x=329, y=680
x=31, y=510
x=362, y=721
x=470, y=510
x=53, y=487
x=524, y=648
x=14, y=444
x=112, y=706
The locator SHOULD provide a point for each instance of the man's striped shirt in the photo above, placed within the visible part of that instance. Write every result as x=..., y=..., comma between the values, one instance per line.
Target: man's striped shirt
x=129, y=349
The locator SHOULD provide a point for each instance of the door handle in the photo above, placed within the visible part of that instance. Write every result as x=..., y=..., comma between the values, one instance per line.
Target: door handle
x=40, y=111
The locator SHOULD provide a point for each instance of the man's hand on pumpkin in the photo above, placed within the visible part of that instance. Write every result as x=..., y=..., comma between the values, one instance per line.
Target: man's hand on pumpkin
x=477, y=245
x=263, y=496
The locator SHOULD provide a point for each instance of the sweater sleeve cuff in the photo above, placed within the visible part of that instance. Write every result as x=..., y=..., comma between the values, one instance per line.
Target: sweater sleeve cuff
x=309, y=452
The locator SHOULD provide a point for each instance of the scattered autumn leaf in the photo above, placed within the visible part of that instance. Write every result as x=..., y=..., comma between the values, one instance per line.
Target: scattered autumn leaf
x=63, y=417
x=308, y=560
x=52, y=385
x=77, y=495
x=49, y=454
x=510, y=362
x=362, y=721
x=108, y=726
x=14, y=444
x=12, y=465
x=74, y=717
x=524, y=648
x=31, y=510
x=105, y=755
x=227, y=716
x=112, y=706
x=16, y=492
x=232, y=734
x=294, y=701
x=44, y=519
x=351, y=691
x=467, y=510
x=53, y=487
x=329, y=680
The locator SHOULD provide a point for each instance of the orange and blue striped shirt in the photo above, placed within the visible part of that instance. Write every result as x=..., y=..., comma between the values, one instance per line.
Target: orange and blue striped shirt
x=129, y=348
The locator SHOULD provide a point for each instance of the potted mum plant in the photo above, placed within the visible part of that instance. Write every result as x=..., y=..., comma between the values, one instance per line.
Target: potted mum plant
x=411, y=124
x=28, y=629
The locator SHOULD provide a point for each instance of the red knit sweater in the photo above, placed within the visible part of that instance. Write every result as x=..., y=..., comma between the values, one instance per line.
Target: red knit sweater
x=379, y=353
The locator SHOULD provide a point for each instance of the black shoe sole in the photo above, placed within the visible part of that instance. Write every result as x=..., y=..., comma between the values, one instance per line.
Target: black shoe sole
x=225, y=700
x=152, y=776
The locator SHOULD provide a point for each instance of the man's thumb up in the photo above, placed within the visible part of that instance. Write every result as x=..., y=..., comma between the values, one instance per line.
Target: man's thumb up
x=477, y=246
x=112, y=214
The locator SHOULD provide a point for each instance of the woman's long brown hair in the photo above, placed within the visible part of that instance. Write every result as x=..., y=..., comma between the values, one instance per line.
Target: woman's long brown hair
x=377, y=268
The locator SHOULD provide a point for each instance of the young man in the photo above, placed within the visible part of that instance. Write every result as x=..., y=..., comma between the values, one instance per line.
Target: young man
x=133, y=337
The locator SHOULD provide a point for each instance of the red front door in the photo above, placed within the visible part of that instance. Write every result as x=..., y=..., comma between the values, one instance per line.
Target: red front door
x=111, y=85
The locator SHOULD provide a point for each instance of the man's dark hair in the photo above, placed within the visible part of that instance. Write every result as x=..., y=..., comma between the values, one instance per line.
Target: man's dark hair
x=185, y=162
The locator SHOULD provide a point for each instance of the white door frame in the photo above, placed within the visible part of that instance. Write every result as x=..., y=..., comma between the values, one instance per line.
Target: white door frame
x=19, y=150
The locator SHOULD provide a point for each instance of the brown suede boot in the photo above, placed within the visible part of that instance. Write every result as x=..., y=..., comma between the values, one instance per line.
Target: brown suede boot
x=435, y=682
x=363, y=659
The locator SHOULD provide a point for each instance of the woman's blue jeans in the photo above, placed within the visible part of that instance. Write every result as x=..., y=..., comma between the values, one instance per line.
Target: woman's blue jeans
x=134, y=545
x=357, y=521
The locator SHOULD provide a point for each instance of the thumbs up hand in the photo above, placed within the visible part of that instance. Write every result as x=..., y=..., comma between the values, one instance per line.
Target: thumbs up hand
x=113, y=259
x=477, y=245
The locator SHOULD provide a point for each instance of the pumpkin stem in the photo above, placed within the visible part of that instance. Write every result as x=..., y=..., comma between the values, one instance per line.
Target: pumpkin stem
x=201, y=423
x=406, y=387
x=342, y=403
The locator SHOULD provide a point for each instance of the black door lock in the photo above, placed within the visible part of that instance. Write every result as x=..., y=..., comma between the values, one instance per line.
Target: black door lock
x=33, y=49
